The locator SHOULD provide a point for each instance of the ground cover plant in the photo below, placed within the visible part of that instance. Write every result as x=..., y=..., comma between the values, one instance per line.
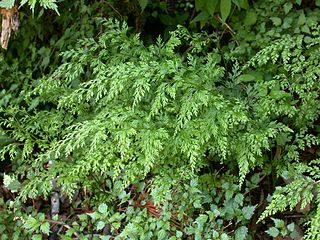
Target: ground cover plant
x=161, y=120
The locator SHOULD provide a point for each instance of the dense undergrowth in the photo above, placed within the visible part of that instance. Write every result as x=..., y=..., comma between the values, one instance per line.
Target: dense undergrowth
x=185, y=121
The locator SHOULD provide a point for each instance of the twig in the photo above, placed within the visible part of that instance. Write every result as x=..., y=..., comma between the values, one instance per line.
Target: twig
x=62, y=224
x=227, y=26
x=113, y=8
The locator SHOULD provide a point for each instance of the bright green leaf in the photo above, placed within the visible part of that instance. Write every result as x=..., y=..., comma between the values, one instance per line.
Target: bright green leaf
x=287, y=7
x=161, y=234
x=279, y=223
x=31, y=223
x=103, y=208
x=246, y=78
x=45, y=228
x=178, y=234
x=37, y=237
x=100, y=225
x=7, y=3
x=276, y=21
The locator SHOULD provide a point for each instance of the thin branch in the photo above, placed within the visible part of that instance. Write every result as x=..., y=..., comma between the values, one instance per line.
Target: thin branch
x=113, y=8
x=62, y=224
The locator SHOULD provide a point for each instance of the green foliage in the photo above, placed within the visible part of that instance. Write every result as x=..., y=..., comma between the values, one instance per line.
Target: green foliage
x=280, y=229
x=209, y=8
x=171, y=139
x=11, y=220
x=46, y=4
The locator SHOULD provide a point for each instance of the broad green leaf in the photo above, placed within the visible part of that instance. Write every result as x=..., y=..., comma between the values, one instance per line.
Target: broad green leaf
x=273, y=232
x=31, y=223
x=200, y=4
x=291, y=227
x=224, y=236
x=279, y=94
x=301, y=19
x=225, y=8
x=248, y=212
x=282, y=138
x=143, y=4
x=178, y=234
x=279, y=223
x=45, y=228
x=103, y=208
x=211, y=6
x=246, y=78
x=250, y=19
x=100, y=225
x=14, y=185
x=239, y=199
x=7, y=3
x=276, y=21
x=161, y=234
x=203, y=16
x=202, y=219
x=305, y=29
x=37, y=237
x=166, y=19
x=34, y=104
x=241, y=233
x=287, y=7
x=244, y=4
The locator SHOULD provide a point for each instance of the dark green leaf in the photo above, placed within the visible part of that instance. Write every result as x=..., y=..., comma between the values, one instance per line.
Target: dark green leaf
x=200, y=4
x=211, y=6
x=244, y=4
x=250, y=19
x=166, y=19
x=143, y=4
x=203, y=16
